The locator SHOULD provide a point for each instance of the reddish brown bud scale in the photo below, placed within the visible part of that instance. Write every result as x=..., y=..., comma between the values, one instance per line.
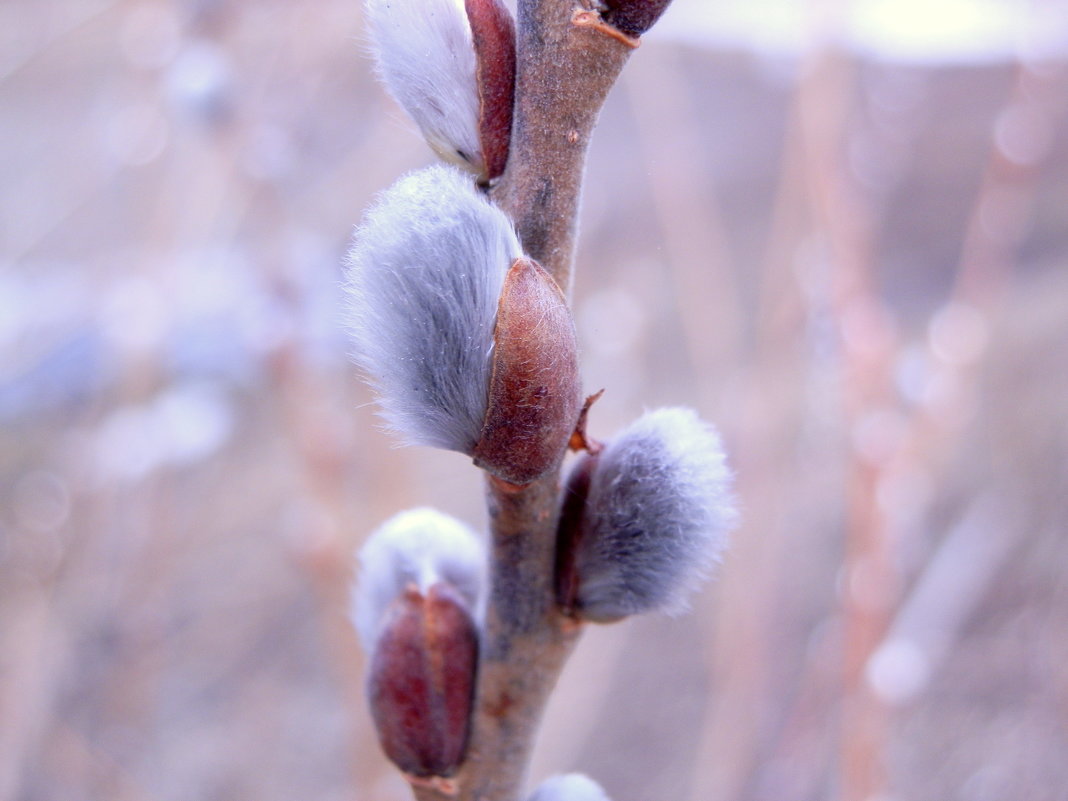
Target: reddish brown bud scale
x=634, y=17
x=534, y=400
x=580, y=440
x=569, y=530
x=493, y=35
x=422, y=680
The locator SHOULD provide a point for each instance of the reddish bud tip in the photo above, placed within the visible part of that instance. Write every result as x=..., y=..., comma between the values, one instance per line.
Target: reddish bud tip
x=534, y=400
x=422, y=680
x=634, y=17
x=493, y=35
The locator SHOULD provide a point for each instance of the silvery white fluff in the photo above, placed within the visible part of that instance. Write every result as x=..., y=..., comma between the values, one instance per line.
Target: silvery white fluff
x=426, y=58
x=424, y=277
x=569, y=787
x=656, y=517
x=420, y=547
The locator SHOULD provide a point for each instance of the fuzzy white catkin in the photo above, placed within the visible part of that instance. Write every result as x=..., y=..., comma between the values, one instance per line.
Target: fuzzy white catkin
x=424, y=278
x=569, y=787
x=419, y=547
x=426, y=58
x=656, y=518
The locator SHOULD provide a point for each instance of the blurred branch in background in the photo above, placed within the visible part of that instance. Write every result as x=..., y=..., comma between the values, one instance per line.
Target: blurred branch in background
x=851, y=247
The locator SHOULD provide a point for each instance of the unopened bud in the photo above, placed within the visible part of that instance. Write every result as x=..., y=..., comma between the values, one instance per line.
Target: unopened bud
x=633, y=17
x=645, y=519
x=534, y=395
x=422, y=681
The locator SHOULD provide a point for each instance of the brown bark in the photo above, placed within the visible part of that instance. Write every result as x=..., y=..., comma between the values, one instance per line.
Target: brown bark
x=567, y=60
x=527, y=640
x=566, y=64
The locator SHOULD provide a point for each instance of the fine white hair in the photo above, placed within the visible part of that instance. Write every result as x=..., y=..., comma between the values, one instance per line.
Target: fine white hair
x=420, y=547
x=425, y=56
x=424, y=278
x=569, y=787
x=656, y=518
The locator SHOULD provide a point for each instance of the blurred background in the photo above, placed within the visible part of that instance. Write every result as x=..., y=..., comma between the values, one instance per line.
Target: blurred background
x=839, y=230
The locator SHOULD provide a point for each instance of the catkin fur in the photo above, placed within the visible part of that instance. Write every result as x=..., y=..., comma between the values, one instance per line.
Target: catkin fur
x=425, y=56
x=656, y=518
x=569, y=787
x=424, y=278
x=420, y=547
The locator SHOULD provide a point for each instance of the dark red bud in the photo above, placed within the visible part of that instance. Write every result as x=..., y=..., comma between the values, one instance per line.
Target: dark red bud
x=493, y=34
x=569, y=530
x=422, y=681
x=633, y=17
x=534, y=400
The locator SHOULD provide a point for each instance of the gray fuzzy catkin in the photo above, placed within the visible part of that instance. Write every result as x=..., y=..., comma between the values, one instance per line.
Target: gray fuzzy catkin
x=656, y=517
x=569, y=787
x=419, y=547
x=425, y=56
x=424, y=278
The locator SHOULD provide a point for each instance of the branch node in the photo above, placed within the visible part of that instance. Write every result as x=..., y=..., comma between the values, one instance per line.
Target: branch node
x=506, y=487
x=582, y=18
x=580, y=440
x=571, y=623
x=439, y=784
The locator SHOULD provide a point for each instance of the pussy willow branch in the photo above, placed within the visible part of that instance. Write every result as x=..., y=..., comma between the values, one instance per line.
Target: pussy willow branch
x=566, y=63
x=527, y=640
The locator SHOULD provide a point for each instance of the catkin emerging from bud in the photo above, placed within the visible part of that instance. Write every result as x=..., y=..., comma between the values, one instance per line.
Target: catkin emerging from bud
x=415, y=549
x=426, y=57
x=451, y=66
x=645, y=519
x=424, y=278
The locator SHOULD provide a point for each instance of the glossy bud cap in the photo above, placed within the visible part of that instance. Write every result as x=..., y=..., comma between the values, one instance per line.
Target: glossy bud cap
x=422, y=680
x=633, y=17
x=534, y=390
x=493, y=37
